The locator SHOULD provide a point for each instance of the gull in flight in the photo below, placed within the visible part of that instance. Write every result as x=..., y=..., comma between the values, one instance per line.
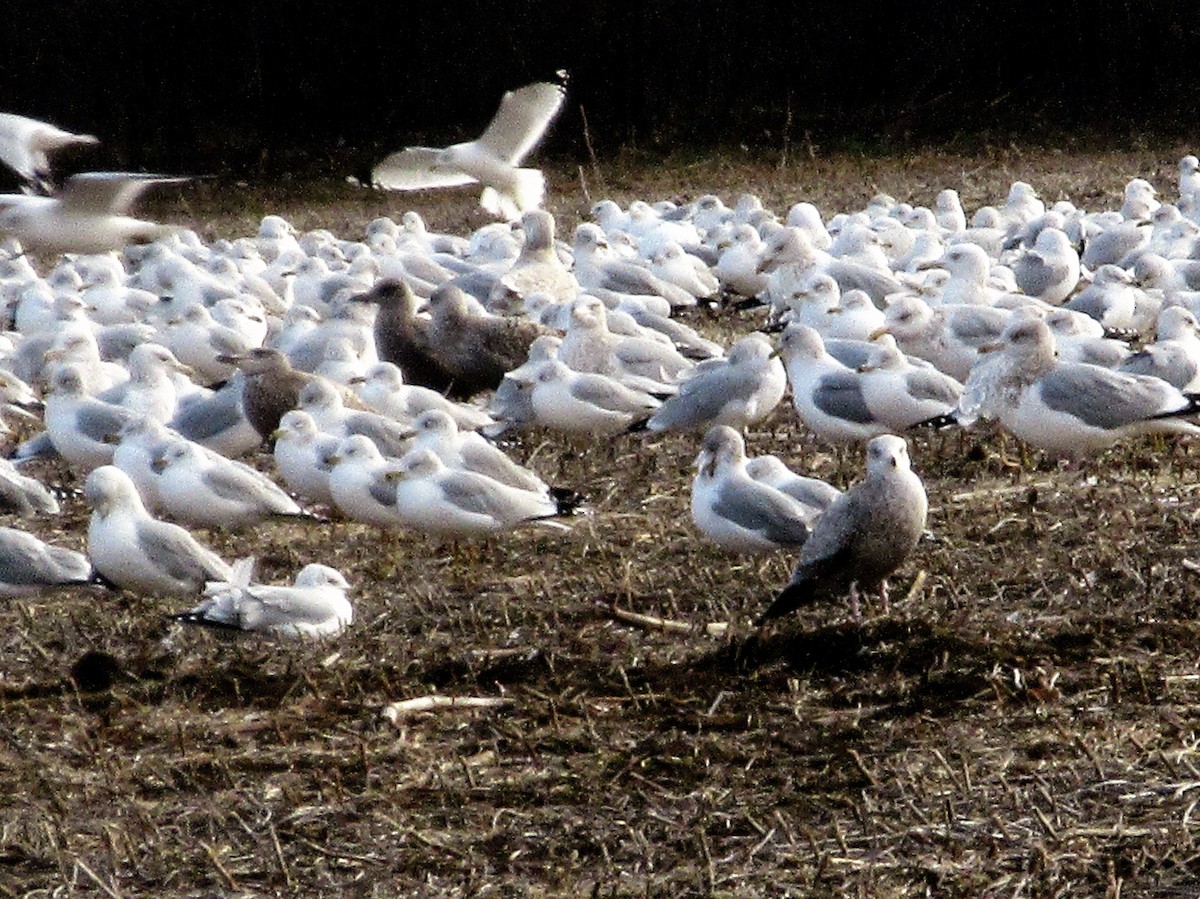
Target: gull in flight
x=25, y=144
x=88, y=214
x=493, y=160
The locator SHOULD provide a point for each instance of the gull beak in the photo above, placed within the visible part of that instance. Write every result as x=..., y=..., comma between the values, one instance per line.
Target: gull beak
x=229, y=359
x=834, y=310
x=865, y=367
x=182, y=368
x=990, y=348
x=877, y=333
x=358, y=379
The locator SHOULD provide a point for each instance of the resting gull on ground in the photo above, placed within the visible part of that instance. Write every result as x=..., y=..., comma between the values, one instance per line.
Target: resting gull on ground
x=28, y=566
x=737, y=512
x=315, y=605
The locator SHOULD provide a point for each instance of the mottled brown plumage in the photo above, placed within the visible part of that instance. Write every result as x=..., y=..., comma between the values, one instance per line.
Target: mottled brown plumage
x=476, y=348
x=401, y=336
x=272, y=387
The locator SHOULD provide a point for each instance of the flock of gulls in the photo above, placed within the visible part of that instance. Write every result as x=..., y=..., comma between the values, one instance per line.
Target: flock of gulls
x=381, y=373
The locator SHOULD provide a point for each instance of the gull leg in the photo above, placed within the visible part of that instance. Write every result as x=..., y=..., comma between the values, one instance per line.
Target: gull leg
x=883, y=596
x=855, y=605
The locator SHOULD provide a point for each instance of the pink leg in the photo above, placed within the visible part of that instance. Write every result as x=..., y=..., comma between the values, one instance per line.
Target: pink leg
x=855, y=606
x=883, y=595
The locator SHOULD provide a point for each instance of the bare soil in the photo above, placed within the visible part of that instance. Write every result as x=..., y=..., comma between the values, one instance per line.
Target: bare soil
x=1022, y=722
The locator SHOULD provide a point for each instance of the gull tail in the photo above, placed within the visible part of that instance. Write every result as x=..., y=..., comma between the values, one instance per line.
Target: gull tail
x=1191, y=408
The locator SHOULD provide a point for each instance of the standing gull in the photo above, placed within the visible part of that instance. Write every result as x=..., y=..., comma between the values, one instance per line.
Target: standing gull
x=492, y=160
x=578, y=403
x=863, y=537
x=137, y=552
x=738, y=391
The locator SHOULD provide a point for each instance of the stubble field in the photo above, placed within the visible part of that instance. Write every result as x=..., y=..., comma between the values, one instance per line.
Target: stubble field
x=1021, y=723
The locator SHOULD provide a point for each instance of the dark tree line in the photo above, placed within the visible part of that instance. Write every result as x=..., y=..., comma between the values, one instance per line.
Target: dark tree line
x=267, y=85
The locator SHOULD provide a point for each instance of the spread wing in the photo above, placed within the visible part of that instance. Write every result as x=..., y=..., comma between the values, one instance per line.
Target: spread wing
x=522, y=119
x=412, y=169
x=107, y=192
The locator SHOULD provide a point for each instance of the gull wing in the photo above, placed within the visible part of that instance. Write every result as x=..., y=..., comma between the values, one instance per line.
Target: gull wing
x=107, y=192
x=522, y=119
x=413, y=169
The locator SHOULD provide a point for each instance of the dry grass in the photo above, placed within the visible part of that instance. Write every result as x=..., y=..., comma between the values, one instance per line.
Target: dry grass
x=1022, y=723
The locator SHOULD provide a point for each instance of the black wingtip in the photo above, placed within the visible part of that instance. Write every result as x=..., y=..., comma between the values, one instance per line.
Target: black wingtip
x=639, y=426
x=937, y=423
x=566, y=500
x=198, y=618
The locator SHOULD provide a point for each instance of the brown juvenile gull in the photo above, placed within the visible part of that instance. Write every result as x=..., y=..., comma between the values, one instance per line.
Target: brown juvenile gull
x=272, y=387
x=402, y=337
x=863, y=537
x=477, y=349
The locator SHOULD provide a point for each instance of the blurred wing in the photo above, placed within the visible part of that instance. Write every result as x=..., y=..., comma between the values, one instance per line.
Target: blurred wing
x=107, y=192
x=522, y=119
x=412, y=169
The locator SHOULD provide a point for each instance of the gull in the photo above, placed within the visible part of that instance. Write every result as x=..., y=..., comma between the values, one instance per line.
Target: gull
x=737, y=266
x=1111, y=299
x=827, y=395
x=676, y=266
x=468, y=451
x=949, y=336
x=969, y=282
x=476, y=349
x=402, y=336
x=685, y=338
x=303, y=455
x=150, y=391
x=86, y=215
x=1050, y=269
x=382, y=389
x=201, y=342
x=948, y=211
x=812, y=493
x=323, y=401
x=1068, y=408
x=900, y=394
x=577, y=403
x=137, y=552
x=83, y=429
x=789, y=257
x=315, y=605
x=597, y=269
x=359, y=484
x=854, y=317
x=491, y=160
x=735, y=511
x=863, y=537
x=445, y=502
x=24, y=495
x=216, y=420
x=25, y=145
x=199, y=488
x=538, y=268
x=341, y=362
x=1175, y=355
x=271, y=386
x=1189, y=177
x=590, y=346
x=29, y=567
x=739, y=390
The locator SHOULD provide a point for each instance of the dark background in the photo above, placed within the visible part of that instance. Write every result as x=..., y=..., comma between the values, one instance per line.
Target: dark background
x=270, y=87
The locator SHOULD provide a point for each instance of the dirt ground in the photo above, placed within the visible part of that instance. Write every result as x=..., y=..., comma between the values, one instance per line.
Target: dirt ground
x=1021, y=723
